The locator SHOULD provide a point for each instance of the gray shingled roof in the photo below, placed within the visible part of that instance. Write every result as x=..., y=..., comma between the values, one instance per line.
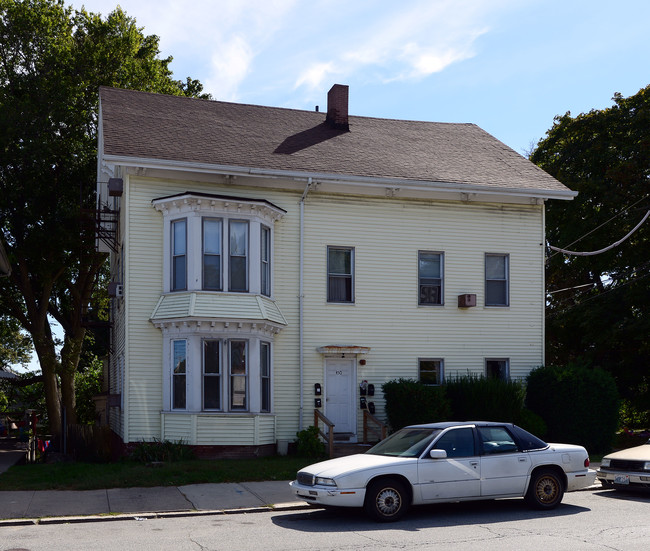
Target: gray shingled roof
x=169, y=128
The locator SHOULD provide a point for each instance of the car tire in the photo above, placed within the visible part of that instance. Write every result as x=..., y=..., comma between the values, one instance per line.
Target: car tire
x=545, y=490
x=387, y=500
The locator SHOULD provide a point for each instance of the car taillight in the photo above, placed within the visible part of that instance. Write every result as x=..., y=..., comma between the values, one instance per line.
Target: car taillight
x=587, y=462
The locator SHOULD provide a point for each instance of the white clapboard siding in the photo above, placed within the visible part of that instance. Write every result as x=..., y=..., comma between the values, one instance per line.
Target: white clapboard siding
x=386, y=235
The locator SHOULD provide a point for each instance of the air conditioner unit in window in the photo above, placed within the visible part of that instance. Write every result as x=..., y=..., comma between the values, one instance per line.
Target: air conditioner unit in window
x=466, y=300
x=115, y=290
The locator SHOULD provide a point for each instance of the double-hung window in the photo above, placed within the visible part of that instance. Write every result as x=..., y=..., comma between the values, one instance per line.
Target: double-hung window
x=211, y=374
x=212, y=238
x=496, y=280
x=179, y=374
x=340, y=274
x=430, y=270
x=179, y=255
x=497, y=369
x=265, y=377
x=430, y=371
x=238, y=375
x=238, y=256
x=265, y=261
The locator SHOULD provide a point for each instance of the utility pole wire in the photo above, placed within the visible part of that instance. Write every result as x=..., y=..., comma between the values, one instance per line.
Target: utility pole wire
x=600, y=251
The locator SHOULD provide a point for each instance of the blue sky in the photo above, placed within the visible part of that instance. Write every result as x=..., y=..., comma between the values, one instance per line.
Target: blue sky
x=509, y=66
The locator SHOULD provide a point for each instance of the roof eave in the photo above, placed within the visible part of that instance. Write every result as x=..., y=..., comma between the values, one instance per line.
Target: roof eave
x=465, y=189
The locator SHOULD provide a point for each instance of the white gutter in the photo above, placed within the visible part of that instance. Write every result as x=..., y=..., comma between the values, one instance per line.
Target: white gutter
x=301, y=299
x=370, y=181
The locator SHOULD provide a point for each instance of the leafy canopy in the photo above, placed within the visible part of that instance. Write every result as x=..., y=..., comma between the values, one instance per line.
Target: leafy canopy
x=53, y=59
x=603, y=319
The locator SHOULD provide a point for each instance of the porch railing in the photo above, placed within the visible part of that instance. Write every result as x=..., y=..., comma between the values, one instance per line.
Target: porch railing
x=329, y=437
x=374, y=426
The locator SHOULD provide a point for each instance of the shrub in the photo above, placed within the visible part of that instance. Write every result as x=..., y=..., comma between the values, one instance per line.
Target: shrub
x=578, y=404
x=410, y=402
x=161, y=450
x=309, y=443
x=478, y=398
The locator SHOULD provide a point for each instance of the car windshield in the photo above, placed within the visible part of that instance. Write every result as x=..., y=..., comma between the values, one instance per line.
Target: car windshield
x=405, y=443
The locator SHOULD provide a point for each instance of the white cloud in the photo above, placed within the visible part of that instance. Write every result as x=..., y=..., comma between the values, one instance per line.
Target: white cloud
x=316, y=75
x=405, y=41
x=230, y=44
x=230, y=65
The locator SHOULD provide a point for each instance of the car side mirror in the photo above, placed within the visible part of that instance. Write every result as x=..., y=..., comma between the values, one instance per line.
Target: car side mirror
x=438, y=454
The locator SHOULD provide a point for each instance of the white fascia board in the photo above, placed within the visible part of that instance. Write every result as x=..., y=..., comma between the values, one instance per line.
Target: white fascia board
x=467, y=191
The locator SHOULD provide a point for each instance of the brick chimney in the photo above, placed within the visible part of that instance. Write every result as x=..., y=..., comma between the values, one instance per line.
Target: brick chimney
x=337, y=107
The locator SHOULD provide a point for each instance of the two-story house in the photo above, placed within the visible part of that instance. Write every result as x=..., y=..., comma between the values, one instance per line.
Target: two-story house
x=266, y=262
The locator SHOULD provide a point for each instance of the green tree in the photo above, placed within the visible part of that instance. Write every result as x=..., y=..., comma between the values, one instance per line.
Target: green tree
x=598, y=305
x=52, y=61
x=15, y=346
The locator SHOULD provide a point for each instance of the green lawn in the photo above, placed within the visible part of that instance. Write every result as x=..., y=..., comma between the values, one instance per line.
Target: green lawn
x=126, y=474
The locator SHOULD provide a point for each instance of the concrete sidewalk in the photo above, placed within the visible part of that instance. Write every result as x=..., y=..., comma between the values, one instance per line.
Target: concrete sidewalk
x=55, y=506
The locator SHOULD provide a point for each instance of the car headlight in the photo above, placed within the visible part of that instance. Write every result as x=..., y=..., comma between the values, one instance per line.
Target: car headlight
x=646, y=466
x=605, y=463
x=320, y=481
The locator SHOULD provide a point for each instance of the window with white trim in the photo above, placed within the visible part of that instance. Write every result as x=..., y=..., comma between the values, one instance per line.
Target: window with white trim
x=238, y=375
x=179, y=374
x=430, y=371
x=179, y=255
x=340, y=274
x=238, y=256
x=265, y=377
x=430, y=278
x=265, y=261
x=212, y=374
x=496, y=280
x=212, y=241
x=497, y=368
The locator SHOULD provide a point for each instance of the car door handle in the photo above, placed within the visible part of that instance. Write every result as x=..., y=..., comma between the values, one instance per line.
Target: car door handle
x=523, y=460
x=474, y=464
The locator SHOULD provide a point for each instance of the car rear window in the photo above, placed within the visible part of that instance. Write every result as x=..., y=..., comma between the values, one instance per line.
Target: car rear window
x=528, y=441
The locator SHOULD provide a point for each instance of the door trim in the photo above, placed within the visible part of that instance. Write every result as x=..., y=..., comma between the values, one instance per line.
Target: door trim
x=352, y=417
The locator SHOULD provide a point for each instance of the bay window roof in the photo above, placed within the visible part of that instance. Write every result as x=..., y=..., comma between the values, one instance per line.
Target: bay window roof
x=222, y=308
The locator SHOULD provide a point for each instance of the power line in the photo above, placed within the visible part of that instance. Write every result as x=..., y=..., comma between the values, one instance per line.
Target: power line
x=559, y=250
x=608, y=248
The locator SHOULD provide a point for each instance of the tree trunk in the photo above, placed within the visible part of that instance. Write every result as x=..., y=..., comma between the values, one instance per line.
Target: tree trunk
x=70, y=354
x=46, y=353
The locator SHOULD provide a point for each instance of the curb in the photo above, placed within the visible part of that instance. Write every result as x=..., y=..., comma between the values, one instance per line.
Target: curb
x=108, y=517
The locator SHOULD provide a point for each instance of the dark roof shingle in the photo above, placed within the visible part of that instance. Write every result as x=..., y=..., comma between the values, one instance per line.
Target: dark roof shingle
x=170, y=128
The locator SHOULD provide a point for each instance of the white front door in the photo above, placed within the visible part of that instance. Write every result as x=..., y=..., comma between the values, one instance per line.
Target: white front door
x=340, y=394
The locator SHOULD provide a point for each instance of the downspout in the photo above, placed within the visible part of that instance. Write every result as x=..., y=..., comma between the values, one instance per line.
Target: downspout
x=301, y=298
x=543, y=244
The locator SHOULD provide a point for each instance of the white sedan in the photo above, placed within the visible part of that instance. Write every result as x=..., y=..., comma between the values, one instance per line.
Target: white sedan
x=446, y=462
